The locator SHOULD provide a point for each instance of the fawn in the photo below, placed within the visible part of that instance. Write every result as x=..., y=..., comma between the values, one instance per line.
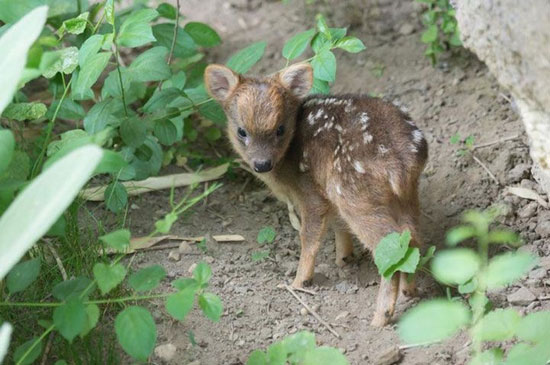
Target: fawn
x=350, y=162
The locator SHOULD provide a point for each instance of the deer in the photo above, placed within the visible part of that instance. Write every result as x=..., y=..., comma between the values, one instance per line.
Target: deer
x=347, y=162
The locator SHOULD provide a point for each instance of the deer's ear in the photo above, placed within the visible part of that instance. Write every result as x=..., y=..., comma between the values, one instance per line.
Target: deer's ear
x=297, y=78
x=220, y=81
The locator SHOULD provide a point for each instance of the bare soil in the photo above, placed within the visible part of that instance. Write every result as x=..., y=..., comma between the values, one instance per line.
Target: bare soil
x=458, y=96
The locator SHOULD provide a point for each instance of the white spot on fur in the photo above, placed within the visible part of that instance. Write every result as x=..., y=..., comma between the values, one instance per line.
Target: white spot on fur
x=382, y=149
x=394, y=182
x=411, y=123
x=337, y=149
x=417, y=136
x=303, y=167
x=414, y=149
x=358, y=167
x=367, y=137
x=339, y=189
x=364, y=118
x=339, y=128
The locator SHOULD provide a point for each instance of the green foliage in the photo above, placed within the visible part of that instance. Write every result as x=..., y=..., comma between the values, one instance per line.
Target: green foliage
x=295, y=349
x=22, y=275
x=265, y=235
x=136, y=331
x=394, y=254
x=441, y=31
x=475, y=273
x=147, y=278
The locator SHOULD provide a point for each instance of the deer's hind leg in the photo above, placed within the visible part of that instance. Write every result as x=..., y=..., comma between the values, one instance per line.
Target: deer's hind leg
x=344, y=244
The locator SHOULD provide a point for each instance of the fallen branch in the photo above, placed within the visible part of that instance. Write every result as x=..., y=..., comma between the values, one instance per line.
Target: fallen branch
x=158, y=183
x=486, y=169
x=323, y=322
x=487, y=144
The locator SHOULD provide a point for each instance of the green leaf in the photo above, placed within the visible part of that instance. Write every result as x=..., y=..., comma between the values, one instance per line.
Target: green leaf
x=324, y=355
x=22, y=275
x=320, y=87
x=64, y=60
x=73, y=288
x=111, y=163
x=75, y=25
x=136, y=332
x=108, y=276
x=298, y=344
x=211, y=306
x=89, y=48
x=213, y=134
x=102, y=115
x=116, y=197
x=455, y=266
x=350, y=44
x=202, y=273
x=459, y=234
x=161, y=99
x=202, y=34
x=25, y=111
x=408, y=263
x=164, y=225
x=167, y=11
x=185, y=45
x=179, y=304
x=69, y=110
x=260, y=255
x=88, y=75
x=243, y=60
x=296, y=45
x=322, y=26
x=276, y=354
x=118, y=240
x=42, y=202
x=147, y=278
x=22, y=350
x=266, y=235
x=166, y=132
x=503, y=236
x=427, y=256
x=497, y=325
x=17, y=39
x=324, y=66
x=133, y=132
x=213, y=111
x=136, y=31
x=490, y=357
x=507, y=268
x=432, y=321
x=110, y=11
x=468, y=287
x=455, y=40
x=534, y=327
x=455, y=138
x=7, y=146
x=257, y=357
x=151, y=65
x=185, y=283
x=523, y=354
x=70, y=318
x=390, y=250
x=430, y=35
x=92, y=317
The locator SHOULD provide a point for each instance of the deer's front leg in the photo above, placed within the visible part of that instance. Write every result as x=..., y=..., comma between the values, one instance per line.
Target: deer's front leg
x=311, y=235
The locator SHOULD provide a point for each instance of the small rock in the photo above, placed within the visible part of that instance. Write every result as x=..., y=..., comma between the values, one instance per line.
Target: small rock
x=528, y=211
x=303, y=311
x=191, y=268
x=389, y=356
x=522, y=296
x=185, y=248
x=543, y=228
x=545, y=262
x=520, y=171
x=166, y=352
x=406, y=29
x=174, y=255
x=538, y=274
x=209, y=259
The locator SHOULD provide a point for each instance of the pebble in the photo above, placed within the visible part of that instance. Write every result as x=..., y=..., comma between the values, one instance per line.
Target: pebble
x=174, y=255
x=209, y=259
x=520, y=171
x=522, y=296
x=185, y=248
x=389, y=356
x=166, y=352
x=341, y=315
x=406, y=29
x=538, y=274
x=543, y=228
x=528, y=211
x=303, y=311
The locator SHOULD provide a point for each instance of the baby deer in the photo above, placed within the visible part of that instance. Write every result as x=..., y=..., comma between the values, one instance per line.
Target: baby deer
x=350, y=162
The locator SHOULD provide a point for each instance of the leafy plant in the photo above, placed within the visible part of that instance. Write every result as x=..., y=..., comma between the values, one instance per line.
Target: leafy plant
x=474, y=274
x=441, y=31
x=466, y=145
x=297, y=349
x=265, y=236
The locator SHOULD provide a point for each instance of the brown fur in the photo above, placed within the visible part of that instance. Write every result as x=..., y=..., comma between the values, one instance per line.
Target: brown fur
x=349, y=162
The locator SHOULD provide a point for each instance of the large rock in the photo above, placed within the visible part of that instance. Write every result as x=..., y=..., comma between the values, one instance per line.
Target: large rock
x=513, y=38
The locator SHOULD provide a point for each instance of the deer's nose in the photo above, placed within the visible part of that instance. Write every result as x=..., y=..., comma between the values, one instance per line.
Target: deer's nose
x=262, y=166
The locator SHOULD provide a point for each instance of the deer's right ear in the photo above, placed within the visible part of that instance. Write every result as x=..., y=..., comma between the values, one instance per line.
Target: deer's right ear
x=220, y=81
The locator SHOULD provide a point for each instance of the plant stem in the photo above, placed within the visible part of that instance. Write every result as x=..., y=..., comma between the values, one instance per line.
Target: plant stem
x=176, y=26
x=126, y=299
x=44, y=334
x=120, y=79
x=38, y=164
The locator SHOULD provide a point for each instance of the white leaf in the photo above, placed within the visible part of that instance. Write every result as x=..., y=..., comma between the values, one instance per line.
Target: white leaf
x=17, y=41
x=39, y=206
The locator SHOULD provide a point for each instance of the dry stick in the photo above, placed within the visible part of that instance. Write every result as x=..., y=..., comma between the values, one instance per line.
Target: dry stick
x=48, y=348
x=176, y=26
x=321, y=320
x=58, y=261
x=486, y=169
x=487, y=144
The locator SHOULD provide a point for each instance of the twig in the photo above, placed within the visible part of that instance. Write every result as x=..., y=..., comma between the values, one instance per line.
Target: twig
x=547, y=297
x=487, y=144
x=486, y=169
x=176, y=26
x=48, y=348
x=57, y=260
x=310, y=292
x=413, y=345
x=321, y=320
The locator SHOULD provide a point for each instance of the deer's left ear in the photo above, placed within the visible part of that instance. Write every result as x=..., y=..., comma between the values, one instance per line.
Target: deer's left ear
x=297, y=78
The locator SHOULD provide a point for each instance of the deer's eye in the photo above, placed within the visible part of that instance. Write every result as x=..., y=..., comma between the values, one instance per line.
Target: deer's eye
x=241, y=132
x=280, y=130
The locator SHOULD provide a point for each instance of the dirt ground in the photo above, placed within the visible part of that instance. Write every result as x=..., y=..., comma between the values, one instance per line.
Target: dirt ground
x=459, y=96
